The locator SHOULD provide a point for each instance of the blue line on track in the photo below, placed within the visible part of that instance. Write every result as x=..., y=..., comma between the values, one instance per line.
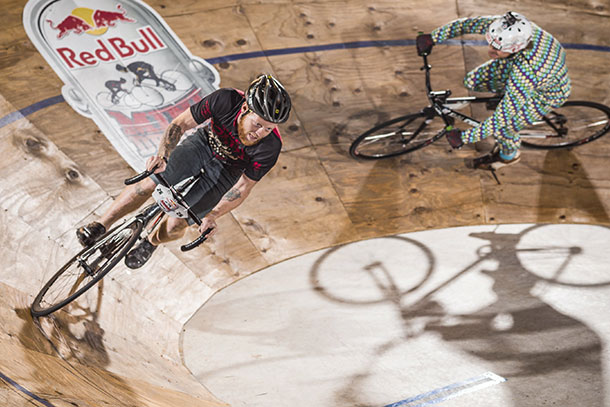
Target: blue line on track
x=445, y=393
x=14, y=116
x=11, y=117
x=24, y=390
x=318, y=48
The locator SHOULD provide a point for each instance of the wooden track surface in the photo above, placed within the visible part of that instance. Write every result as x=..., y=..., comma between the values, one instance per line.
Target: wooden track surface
x=59, y=171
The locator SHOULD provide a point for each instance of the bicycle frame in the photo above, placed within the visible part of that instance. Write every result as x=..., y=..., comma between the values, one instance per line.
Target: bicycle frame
x=572, y=124
x=153, y=210
x=439, y=101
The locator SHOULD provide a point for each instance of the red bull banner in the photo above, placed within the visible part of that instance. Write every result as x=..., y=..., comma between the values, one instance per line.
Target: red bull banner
x=122, y=66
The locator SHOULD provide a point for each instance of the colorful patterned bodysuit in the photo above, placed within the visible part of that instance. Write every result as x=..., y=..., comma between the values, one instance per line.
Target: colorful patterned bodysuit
x=533, y=80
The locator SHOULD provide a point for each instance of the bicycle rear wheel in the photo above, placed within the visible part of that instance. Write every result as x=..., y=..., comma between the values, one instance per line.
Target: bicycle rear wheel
x=86, y=268
x=573, y=124
x=397, y=136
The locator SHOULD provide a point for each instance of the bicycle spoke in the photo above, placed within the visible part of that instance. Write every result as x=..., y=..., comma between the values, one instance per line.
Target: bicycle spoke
x=85, y=269
x=397, y=136
x=75, y=276
x=564, y=261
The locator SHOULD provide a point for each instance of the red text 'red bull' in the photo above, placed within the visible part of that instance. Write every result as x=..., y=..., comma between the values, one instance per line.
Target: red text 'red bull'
x=112, y=49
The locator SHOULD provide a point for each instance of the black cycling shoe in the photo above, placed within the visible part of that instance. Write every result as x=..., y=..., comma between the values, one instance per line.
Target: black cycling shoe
x=87, y=235
x=140, y=254
x=492, y=161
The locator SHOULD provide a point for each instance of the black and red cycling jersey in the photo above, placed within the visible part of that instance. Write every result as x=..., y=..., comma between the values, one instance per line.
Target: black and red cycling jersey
x=222, y=107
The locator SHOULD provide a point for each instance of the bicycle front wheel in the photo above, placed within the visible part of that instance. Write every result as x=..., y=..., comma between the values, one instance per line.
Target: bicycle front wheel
x=573, y=124
x=86, y=268
x=397, y=136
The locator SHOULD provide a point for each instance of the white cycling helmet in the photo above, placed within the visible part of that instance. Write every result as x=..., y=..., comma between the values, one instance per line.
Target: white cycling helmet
x=509, y=33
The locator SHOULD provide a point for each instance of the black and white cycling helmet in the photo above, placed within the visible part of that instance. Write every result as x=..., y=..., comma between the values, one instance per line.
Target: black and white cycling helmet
x=510, y=33
x=267, y=98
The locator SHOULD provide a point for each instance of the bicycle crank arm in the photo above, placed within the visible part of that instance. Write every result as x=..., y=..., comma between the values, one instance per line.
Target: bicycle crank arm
x=493, y=172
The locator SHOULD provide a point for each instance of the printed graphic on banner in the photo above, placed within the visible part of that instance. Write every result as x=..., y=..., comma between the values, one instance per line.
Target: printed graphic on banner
x=122, y=66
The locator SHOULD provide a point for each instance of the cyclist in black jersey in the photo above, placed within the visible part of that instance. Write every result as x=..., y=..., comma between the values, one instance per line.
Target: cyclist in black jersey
x=115, y=87
x=240, y=144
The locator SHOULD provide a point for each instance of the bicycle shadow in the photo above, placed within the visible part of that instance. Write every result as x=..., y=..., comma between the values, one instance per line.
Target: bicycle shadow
x=75, y=339
x=520, y=335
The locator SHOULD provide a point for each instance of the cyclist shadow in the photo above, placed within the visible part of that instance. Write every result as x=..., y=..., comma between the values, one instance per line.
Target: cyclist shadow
x=578, y=195
x=76, y=337
x=525, y=339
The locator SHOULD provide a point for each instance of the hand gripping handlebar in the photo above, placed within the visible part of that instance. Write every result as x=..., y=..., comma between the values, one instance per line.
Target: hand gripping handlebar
x=192, y=215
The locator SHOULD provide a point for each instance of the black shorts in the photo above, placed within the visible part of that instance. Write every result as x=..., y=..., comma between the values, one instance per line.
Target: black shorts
x=192, y=154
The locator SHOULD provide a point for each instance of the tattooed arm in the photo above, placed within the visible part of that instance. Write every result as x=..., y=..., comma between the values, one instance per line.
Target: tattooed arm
x=183, y=122
x=231, y=200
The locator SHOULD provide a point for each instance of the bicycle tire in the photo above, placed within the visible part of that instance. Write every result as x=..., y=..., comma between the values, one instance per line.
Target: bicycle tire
x=112, y=247
x=563, y=261
x=581, y=121
x=404, y=278
x=397, y=136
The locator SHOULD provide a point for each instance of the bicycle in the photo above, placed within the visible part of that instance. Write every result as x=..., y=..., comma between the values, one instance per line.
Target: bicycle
x=136, y=97
x=91, y=264
x=573, y=124
x=549, y=262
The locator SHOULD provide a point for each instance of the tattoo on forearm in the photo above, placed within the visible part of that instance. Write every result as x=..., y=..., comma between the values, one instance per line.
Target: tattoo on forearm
x=140, y=191
x=232, y=195
x=171, y=138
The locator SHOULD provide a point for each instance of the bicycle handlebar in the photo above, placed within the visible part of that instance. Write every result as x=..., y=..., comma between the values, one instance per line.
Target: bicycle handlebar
x=196, y=242
x=139, y=177
x=202, y=238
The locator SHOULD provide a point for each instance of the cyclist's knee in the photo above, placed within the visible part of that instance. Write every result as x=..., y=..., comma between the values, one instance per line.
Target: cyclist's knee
x=469, y=82
x=175, y=226
x=170, y=229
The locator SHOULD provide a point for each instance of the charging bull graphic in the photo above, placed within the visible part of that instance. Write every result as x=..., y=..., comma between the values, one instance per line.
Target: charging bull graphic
x=90, y=21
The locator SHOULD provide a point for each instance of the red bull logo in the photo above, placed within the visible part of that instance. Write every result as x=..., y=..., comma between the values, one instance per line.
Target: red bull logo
x=93, y=22
x=109, y=49
x=93, y=45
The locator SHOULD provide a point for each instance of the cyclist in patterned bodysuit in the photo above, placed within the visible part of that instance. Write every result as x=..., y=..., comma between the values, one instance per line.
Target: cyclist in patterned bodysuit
x=528, y=66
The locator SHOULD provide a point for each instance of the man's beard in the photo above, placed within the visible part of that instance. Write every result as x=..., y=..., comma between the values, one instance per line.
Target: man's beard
x=242, y=133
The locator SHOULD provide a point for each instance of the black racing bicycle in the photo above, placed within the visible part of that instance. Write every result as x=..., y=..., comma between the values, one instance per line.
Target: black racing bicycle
x=573, y=124
x=91, y=264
